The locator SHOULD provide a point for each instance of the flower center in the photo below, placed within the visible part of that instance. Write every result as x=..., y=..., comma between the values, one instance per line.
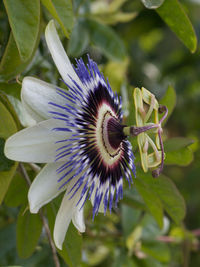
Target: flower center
x=109, y=135
x=115, y=133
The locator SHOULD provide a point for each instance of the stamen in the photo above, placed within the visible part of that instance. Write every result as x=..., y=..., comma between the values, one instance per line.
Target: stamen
x=146, y=146
x=142, y=112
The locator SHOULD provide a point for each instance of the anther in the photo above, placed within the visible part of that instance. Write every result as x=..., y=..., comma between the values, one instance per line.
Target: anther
x=146, y=146
x=142, y=112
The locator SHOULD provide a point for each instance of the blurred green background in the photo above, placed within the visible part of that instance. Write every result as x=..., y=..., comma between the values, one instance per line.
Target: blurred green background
x=150, y=43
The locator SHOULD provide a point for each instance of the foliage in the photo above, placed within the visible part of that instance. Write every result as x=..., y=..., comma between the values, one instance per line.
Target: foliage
x=136, y=43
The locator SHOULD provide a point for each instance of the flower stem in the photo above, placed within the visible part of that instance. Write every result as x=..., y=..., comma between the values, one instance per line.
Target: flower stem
x=44, y=221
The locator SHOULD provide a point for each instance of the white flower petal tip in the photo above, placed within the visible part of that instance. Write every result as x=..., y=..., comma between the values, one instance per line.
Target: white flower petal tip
x=59, y=246
x=27, y=145
x=11, y=148
x=36, y=95
x=45, y=187
x=59, y=55
x=7, y=151
x=64, y=216
x=33, y=209
x=78, y=220
x=28, y=97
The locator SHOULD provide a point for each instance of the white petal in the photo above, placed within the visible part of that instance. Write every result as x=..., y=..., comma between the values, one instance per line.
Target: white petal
x=36, y=143
x=78, y=218
x=45, y=187
x=63, y=218
x=24, y=117
x=59, y=55
x=36, y=96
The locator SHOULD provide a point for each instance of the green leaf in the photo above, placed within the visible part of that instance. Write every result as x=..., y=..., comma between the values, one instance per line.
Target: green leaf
x=8, y=127
x=9, y=96
x=5, y=180
x=7, y=240
x=29, y=227
x=6, y=102
x=121, y=260
x=151, y=199
x=150, y=262
x=130, y=218
x=24, y=18
x=174, y=15
x=11, y=63
x=79, y=39
x=132, y=199
x=177, y=143
x=171, y=198
x=181, y=157
x=150, y=229
x=106, y=40
x=13, y=89
x=168, y=194
x=134, y=203
x=17, y=192
x=169, y=100
x=159, y=251
x=5, y=164
x=62, y=11
x=177, y=151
